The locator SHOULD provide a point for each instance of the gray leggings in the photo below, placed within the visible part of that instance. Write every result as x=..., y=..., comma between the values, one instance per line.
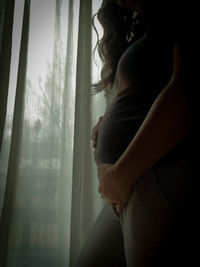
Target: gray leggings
x=151, y=230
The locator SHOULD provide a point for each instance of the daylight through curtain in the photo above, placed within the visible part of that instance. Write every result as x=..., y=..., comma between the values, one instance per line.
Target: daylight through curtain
x=48, y=179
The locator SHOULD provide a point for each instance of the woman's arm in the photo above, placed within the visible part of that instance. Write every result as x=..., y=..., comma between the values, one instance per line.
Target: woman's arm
x=167, y=121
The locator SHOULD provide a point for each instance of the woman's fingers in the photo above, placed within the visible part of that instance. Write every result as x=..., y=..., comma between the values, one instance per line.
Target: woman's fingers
x=111, y=203
x=95, y=133
x=120, y=207
x=99, y=189
x=94, y=143
x=95, y=129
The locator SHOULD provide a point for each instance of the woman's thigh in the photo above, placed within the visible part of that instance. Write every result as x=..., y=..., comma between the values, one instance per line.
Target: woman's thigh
x=104, y=245
x=156, y=232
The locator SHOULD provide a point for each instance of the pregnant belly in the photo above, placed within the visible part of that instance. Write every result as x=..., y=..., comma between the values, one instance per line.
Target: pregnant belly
x=117, y=129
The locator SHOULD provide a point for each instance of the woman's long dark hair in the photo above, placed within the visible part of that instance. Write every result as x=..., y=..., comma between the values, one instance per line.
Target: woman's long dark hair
x=120, y=28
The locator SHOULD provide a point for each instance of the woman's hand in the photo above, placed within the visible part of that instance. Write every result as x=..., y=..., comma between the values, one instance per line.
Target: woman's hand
x=94, y=135
x=109, y=188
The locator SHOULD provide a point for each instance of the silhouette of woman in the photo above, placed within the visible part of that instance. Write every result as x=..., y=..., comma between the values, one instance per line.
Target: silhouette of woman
x=147, y=141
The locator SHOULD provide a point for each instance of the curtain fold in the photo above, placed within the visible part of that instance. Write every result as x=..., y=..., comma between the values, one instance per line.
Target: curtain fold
x=6, y=25
x=15, y=140
x=51, y=199
x=81, y=159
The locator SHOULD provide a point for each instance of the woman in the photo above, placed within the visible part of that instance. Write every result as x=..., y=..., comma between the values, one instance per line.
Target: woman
x=146, y=142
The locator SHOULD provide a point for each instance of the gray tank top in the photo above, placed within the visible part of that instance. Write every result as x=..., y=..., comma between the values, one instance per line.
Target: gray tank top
x=146, y=66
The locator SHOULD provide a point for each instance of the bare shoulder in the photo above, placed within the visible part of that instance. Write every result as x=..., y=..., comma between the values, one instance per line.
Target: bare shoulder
x=178, y=60
x=183, y=62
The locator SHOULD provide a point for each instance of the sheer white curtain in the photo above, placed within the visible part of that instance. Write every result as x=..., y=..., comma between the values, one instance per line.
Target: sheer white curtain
x=48, y=179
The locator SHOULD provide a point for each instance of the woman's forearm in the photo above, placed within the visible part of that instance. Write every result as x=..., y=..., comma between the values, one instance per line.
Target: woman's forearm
x=166, y=123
